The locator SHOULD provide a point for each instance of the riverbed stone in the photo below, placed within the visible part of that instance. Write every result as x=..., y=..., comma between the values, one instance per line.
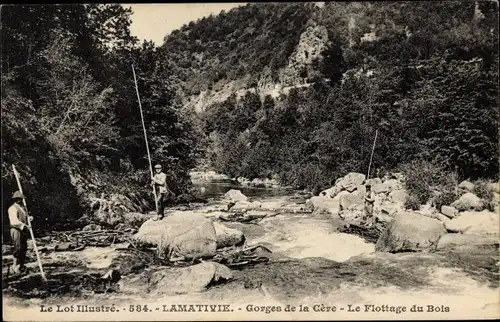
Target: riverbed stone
x=449, y=211
x=410, y=232
x=380, y=188
x=471, y=222
x=466, y=185
x=398, y=196
x=172, y=281
x=466, y=242
x=228, y=237
x=182, y=234
x=235, y=195
x=468, y=202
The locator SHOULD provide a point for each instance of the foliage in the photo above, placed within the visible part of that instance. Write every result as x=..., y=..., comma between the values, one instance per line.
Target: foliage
x=69, y=109
x=428, y=181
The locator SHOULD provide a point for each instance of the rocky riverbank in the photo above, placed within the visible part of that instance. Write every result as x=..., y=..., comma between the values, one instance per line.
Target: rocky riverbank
x=276, y=250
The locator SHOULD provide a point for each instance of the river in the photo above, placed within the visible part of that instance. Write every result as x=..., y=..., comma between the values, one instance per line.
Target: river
x=315, y=266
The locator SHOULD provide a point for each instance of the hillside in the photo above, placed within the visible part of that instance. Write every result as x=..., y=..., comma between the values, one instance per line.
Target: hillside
x=424, y=75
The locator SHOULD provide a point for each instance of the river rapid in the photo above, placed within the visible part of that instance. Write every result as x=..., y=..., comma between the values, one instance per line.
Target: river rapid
x=315, y=272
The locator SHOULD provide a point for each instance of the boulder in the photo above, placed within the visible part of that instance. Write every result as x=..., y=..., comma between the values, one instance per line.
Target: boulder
x=228, y=237
x=467, y=202
x=484, y=222
x=330, y=192
x=172, y=281
x=235, y=195
x=466, y=185
x=494, y=187
x=352, y=179
x=244, y=206
x=374, y=181
x=181, y=234
x=270, y=205
x=380, y=188
x=350, y=199
x=449, y=211
x=390, y=209
x=320, y=203
x=410, y=232
x=398, y=196
x=463, y=242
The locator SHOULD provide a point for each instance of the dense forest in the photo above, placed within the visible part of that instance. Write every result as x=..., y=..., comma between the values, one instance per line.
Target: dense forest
x=70, y=118
x=425, y=75
x=422, y=74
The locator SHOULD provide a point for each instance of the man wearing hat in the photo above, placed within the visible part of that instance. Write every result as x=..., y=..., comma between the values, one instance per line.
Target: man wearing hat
x=369, y=201
x=19, y=233
x=159, y=181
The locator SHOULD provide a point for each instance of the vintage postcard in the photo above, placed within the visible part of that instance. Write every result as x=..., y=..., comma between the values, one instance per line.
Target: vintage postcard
x=250, y=161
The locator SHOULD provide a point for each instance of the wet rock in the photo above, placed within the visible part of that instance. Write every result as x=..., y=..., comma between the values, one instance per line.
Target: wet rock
x=466, y=185
x=235, y=195
x=410, y=232
x=449, y=211
x=461, y=242
x=228, y=237
x=177, y=280
x=181, y=234
x=187, y=198
x=467, y=202
x=484, y=222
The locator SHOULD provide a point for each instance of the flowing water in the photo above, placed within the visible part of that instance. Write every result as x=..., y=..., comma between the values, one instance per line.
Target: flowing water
x=314, y=265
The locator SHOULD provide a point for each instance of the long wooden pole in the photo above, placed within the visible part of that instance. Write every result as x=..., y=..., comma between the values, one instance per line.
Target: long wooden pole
x=145, y=138
x=371, y=157
x=29, y=224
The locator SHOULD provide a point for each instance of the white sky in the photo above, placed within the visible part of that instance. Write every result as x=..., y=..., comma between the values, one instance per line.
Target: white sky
x=155, y=21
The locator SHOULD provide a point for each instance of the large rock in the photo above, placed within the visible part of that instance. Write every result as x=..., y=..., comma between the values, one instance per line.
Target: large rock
x=352, y=180
x=320, y=203
x=410, y=232
x=176, y=280
x=235, y=195
x=463, y=242
x=449, y=211
x=181, y=234
x=467, y=202
x=398, y=196
x=228, y=237
x=484, y=222
x=466, y=185
x=244, y=206
x=380, y=188
x=348, y=200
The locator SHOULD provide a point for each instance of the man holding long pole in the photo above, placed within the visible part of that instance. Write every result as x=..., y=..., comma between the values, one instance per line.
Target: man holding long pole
x=147, y=145
x=19, y=221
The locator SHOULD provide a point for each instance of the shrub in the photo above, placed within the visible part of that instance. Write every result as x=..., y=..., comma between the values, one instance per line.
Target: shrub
x=428, y=181
x=412, y=202
x=482, y=190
